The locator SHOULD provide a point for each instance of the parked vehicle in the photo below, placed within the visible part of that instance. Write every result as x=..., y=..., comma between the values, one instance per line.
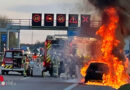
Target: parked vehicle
x=12, y=61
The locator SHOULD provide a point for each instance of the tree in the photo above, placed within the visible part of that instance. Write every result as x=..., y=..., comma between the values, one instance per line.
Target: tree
x=4, y=22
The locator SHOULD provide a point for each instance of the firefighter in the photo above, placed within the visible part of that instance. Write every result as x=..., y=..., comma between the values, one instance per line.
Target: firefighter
x=56, y=64
x=48, y=67
x=26, y=64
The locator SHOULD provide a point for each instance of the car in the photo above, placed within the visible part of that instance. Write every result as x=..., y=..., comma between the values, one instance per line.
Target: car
x=26, y=50
x=95, y=72
x=12, y=61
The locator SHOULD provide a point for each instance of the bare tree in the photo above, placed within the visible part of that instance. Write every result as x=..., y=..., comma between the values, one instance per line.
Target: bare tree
x=4, y=22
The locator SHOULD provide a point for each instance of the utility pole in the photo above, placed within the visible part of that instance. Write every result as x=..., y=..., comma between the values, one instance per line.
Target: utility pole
x=18, y=39
x=32, y=36
x=7, y=47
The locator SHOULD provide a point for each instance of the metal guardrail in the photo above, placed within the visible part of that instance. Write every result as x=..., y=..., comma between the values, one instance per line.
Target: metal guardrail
x=24, y=24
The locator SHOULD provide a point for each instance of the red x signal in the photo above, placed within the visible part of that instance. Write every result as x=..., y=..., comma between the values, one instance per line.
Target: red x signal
x=85, y=19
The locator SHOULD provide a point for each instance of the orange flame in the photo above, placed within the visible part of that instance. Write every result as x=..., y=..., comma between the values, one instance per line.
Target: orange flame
x=117, y=75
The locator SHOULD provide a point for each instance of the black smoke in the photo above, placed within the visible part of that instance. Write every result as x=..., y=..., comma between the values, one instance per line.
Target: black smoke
x=101, y=4
x=123, y=31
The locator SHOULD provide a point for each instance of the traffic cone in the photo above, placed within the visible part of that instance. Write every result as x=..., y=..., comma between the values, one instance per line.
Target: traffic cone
x=2, y=80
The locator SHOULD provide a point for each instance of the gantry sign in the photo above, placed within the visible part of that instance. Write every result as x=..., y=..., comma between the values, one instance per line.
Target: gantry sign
x=60, y=20
x=51, y=22
x=36, y=19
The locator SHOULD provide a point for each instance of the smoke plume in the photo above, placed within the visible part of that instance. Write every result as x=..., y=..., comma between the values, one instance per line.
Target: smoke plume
x=123, y=29
x=123, y=10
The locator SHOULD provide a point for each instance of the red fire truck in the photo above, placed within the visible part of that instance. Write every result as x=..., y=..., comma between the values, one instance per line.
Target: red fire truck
x=47, y=63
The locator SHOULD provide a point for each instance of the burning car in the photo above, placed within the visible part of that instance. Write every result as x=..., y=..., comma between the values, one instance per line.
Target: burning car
x=96, y=71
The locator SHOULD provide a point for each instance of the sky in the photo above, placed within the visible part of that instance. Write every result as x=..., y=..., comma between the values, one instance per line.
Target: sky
x=23, y=9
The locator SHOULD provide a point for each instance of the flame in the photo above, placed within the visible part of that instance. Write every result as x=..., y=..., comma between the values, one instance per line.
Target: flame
x=117, y=74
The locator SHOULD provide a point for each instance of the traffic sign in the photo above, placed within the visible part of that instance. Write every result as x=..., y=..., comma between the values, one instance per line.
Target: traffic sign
x=49, y=19
x=3, y=38
x=36, y=19
x=72, y=32
x=61, y=20
x=73, y=20
x=85, y=20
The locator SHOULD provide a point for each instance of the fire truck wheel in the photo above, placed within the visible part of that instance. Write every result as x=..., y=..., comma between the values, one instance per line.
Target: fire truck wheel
x=22, y=73
x=3, y=72
x=51, y=73
x=7, y=72
x=31, y=73
x=43, y=74
x=28, y=72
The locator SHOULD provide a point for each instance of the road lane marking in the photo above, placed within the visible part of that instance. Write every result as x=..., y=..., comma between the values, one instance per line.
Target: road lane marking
x=25, y=78
x=71, y=87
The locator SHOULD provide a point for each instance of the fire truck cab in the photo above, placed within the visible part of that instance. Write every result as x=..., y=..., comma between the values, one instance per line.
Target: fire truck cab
x=12, y=61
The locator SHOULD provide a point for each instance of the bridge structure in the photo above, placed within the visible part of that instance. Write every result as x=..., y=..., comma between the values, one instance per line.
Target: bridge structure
x=16, y=25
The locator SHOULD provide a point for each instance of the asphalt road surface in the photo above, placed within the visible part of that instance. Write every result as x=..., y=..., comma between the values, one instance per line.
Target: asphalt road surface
x=18, y=82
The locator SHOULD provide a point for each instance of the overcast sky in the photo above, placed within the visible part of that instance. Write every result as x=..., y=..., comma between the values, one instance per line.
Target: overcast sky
x=23, y=9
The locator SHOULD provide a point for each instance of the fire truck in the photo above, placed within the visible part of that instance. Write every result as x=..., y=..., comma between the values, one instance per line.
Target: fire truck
x=47, y=63
x=52, y=58
x=12, y=61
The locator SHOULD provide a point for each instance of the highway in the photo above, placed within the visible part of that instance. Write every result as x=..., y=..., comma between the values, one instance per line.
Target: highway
x=18, y=82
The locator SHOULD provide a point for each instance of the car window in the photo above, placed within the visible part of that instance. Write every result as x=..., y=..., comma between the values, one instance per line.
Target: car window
x=93, y=67
x=17, y=54
x=8, y=54
x=98, y=67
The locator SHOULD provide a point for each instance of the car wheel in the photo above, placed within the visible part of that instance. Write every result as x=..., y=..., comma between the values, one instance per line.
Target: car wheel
x=86, y=79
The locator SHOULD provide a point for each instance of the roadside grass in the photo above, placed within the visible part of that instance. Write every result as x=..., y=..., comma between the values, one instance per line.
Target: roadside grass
x=125, y=87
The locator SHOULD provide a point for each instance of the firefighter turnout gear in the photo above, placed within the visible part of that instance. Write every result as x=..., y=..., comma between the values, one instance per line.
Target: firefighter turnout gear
x=25, y=64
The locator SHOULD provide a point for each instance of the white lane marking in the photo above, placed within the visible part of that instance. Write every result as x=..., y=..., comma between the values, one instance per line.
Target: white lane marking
x=71, y=87
x=25, y=78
